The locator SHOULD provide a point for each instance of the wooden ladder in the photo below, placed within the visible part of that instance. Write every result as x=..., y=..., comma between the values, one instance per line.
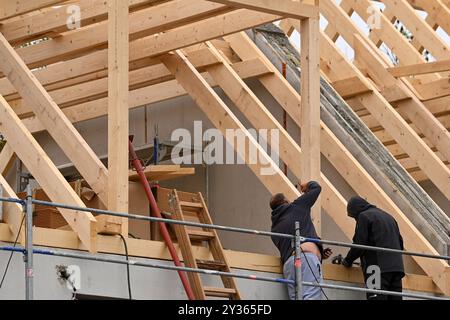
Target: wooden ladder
x=192, y=207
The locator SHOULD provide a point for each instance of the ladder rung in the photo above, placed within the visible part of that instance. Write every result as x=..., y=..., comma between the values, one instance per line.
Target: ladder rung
x=219, y=292
x=200, y=234
x=211, y=265
x=191, y=204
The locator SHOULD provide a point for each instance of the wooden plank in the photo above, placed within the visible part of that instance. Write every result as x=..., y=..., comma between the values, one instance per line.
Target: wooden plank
x=12, y=212
x=158, y=44
x=350, y=87
x=165, y=16
x=55, y=20
x=421, y=68
x=411, y=108
x=310, y=109
x=286, y=8
x=47, y=175
x=118, y=114
x=439, y=10
x=435, y=89
x=7, y=157
x=54, y=120
x=11, y=8
x=330, y=30
x=153, y=171
x=422, y=32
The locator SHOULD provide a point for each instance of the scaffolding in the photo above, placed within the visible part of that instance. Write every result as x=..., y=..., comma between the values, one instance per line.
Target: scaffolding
x=28, y=251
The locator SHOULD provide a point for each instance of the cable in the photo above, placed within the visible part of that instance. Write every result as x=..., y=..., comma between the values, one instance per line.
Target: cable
x=321, y=289
x=128, y=266
x=12, y=252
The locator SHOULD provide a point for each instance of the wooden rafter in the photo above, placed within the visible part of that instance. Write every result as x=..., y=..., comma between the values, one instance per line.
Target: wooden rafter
x=47, y=175
x=421, y=68
x=54, y=120
x=438, y=12
x=118, y=114
x=287, y=8
x=222, y=117
x=422, y=32
x=376, y=103
x=310, y=108
x=55, y=20
x=165, y=17
x=347, y=29
x=11, y=9
x=13, y=212
x=6, y=158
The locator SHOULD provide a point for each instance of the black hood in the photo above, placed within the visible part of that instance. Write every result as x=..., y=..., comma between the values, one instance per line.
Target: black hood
x=278, y=212
x=356, y=205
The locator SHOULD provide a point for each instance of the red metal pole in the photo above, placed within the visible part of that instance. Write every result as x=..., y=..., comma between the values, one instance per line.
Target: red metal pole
x=162, y=226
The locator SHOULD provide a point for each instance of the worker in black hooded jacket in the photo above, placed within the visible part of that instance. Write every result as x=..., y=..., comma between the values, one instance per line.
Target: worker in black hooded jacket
x=374, y=227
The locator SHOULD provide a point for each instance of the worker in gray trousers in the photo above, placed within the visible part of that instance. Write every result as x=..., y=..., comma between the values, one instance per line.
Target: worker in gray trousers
x=284, y=216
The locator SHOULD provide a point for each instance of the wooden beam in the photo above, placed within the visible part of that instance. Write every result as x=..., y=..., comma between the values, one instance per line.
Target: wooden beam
x=421, y=68
x=165, y=16
x=98, y=61
x=422, y=32
x=439, y=10
x=118, y=114
x=51, y=116
x=55, y=20
x=47, y=175
x=350, y=87
x=310, y=108
x=12, y=212
x=222, y=117
x=332, y=201
x=11, y=9
x=388, y=34
x=348, y=29
x=434, y=89
x=7, y=157
x=162, y=173
x=413, y=109
x=287, y=8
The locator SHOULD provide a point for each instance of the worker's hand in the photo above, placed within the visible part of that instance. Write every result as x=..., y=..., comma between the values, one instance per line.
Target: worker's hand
x=327, y=253
x=346, y=263
x=304, y=187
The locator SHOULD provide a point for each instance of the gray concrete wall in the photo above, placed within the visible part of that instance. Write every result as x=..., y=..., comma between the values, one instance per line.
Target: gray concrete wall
x=108, y=280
